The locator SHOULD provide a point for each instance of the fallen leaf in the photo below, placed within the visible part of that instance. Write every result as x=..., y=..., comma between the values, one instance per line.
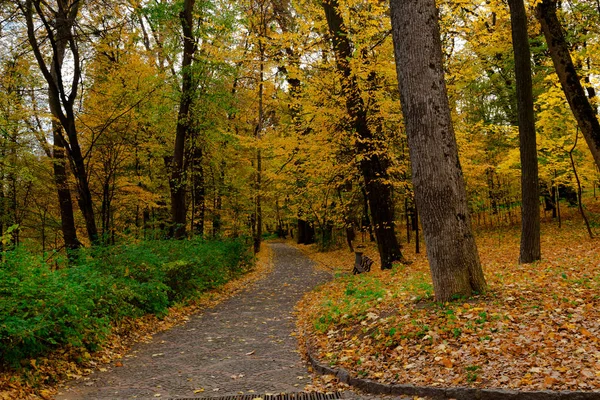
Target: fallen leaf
x=447, y=362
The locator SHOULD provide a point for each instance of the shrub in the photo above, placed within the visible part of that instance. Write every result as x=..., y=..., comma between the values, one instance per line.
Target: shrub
x=41, y=308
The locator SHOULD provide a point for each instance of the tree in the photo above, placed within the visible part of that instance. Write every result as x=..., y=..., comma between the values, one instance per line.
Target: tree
x=373, y=164
x=558, y=48
x=530, y=215
x=58, y=24
x=184, y=126
x=437, y=176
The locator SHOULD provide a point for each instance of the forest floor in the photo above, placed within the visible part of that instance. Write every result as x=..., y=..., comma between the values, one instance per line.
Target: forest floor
x=537, y=328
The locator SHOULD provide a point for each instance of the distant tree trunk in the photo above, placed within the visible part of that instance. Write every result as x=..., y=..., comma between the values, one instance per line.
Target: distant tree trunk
x=258, y=203
x=565, y=69
x=199, y=190
x=184, y=124
x=301, y=231
x=306, y=232
x=3, y=222
x=350, y=236
x=530, y=214
x=437, y=176
x=579, y=191
x=366, y=225
x=373, y=165
x=257, y=134
x=557, y=201
x=492, y=190
x=553, y=194
x=105, y=210
x=218, y=201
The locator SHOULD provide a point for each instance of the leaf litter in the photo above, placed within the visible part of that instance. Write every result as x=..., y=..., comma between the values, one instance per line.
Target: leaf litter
x=537, y=328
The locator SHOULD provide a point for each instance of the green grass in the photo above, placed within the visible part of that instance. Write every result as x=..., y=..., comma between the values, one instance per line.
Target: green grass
x=360, y=294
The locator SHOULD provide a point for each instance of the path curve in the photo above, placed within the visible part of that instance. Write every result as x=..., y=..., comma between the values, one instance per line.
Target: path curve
x=243, y=344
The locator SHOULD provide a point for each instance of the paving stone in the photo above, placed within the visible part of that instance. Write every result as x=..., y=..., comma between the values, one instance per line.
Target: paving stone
x=212, y=351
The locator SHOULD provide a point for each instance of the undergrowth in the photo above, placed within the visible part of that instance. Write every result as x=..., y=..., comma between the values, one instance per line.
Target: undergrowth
x=42, y=309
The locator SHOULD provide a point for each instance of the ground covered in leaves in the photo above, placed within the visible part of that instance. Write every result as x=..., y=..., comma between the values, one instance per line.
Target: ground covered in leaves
x=537, y=328
x=39, y=378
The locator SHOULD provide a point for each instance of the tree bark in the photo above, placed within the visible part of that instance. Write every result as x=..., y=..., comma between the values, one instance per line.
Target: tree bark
x=60, y=36
x=65, y=203
x=569, y=79
x=178, y=179
x=218, y=201
x=373, y=166
x=579, y=191
x=199, y=190
x=437, y=175
x=530, y=214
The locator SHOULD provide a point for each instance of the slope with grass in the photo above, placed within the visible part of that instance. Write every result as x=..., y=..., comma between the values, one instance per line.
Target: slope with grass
x=538, y=327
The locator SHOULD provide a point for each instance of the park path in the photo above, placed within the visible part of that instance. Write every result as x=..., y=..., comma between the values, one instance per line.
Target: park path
x=241, y=345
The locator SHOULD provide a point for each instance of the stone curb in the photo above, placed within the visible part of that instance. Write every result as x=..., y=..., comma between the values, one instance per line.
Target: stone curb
x=458, y=393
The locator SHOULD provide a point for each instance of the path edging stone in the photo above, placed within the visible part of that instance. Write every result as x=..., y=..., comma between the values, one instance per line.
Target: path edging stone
x=459, y=393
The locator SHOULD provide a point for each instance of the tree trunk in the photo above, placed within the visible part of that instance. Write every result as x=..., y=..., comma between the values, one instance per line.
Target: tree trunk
x=199, y=191
x=301, y=231
x=416, y=228
x=62, y=100
x=373, y=165
x=105, y=211
x=407, y=215
x=579, y=191
x=569, y=79
x=85, y=201
x=530, y=214
x=178, y=179
x=437, y=176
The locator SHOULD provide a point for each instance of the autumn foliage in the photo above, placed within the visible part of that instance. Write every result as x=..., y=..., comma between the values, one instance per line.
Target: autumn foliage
x=219, y=119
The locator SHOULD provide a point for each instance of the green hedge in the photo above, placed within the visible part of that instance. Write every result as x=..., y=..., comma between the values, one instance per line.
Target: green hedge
x=42, y=309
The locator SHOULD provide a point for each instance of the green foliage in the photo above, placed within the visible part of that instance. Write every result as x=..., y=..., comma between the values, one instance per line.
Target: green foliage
x=41, y=308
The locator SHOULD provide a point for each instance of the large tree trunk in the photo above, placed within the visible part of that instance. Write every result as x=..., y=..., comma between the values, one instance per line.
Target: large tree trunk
x=530, y=215
x=86, y=204
x=373, y=165
x=178, y=180
x=437, y=176
x=59, y=34
x=64, y=194
x=565, y=69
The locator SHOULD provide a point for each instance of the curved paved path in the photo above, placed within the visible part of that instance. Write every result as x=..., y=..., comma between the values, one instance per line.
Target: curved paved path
x=242, y=344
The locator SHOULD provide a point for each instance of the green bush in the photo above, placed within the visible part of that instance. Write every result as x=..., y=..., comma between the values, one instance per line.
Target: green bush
x=42, y=309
